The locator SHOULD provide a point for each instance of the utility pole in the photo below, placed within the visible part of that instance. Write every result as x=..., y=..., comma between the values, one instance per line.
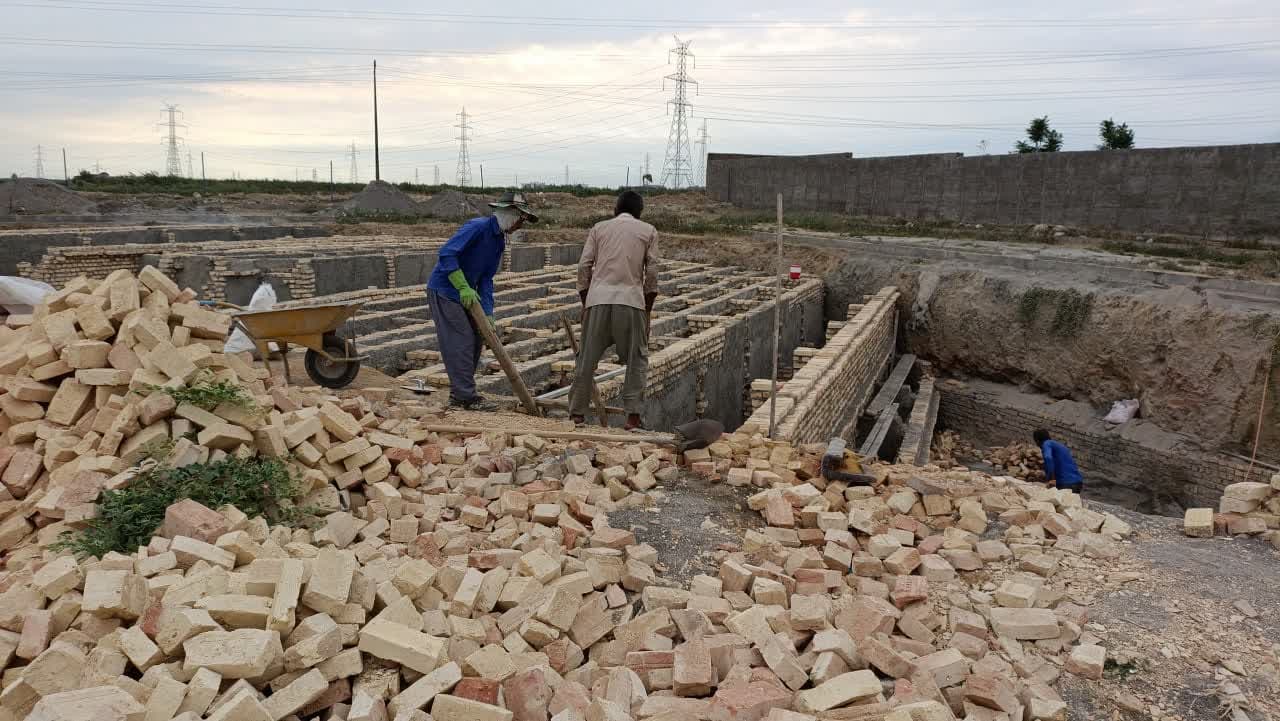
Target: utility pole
x=676, y=167
x=464, y=155
x=173, y=163
x=628, y=184
x=203, y=178
x=39, y=161
x=377, y=163
x=332, y=187
x=66, y=177
x=354, y=176
x=482, y=176
x=700, y=173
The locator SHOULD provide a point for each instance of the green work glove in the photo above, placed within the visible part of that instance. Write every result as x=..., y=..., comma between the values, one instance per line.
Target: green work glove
x=493, y=324
x=466, y=293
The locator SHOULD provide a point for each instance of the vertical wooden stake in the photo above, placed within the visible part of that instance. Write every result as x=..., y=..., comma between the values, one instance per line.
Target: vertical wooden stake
x=777, y=329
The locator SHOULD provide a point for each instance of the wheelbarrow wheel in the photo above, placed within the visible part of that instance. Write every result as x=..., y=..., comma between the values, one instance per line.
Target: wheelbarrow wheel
x=331, y=374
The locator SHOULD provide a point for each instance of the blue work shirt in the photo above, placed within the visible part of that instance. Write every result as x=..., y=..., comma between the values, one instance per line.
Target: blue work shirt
x=1059, y=466
x=477, y=249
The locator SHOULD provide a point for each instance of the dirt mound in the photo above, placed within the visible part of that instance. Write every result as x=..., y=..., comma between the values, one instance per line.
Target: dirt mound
x=381, y=196
x=38, y=196
x=454, y=205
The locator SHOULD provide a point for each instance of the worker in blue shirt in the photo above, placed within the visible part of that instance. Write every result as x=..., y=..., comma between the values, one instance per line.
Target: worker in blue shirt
x=463, y=276
x=1060, y=469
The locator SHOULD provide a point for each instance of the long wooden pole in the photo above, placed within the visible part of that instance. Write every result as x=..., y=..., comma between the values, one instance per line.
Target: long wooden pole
x=560, y=435
x=596, y=398
x=504, y=360
x=777, y=329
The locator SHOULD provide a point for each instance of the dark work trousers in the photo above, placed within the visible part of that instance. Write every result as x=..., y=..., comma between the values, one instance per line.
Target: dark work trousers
x=617, y=325
x=459, y=345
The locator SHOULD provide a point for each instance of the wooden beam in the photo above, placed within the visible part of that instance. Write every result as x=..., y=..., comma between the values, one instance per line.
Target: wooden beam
x=504, y=360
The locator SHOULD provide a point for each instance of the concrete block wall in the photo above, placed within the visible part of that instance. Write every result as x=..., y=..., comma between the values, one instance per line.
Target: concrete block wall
x=1183, y=472
x=825, y=396
x=27, y=246
x=1225, y=191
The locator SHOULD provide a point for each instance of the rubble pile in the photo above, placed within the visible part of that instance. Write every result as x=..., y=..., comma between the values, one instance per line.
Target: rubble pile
x=1019, y=460
x=1248, y=508
x=479, y=578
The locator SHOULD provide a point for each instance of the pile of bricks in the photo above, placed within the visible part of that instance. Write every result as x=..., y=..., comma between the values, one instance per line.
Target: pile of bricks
x=1248, y=508
x=478, y=577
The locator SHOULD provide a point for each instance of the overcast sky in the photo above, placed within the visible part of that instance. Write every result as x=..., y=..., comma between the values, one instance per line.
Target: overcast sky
x=280, y=88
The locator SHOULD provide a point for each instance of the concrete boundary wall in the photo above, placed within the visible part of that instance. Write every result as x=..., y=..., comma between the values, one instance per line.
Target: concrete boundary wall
x=1159, y=467
x=835, y=385
x=1226, y=190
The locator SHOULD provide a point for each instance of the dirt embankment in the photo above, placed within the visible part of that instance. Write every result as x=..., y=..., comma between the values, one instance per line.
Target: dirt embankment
x=1197, y=363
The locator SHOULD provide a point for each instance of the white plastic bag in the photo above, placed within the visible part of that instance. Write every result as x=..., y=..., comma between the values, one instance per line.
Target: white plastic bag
x=264, y=298
x=1122, y=411
x=19, y=296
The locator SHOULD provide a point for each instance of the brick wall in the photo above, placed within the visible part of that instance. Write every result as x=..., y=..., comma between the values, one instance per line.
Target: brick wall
x=1227, y=190
x=835, y=385
x=1182, y=472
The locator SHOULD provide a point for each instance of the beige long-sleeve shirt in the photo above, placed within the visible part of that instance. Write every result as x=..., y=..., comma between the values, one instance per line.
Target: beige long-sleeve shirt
x=619, y=262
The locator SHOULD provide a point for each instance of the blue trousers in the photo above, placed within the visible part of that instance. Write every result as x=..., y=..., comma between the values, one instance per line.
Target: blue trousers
x=459, y=343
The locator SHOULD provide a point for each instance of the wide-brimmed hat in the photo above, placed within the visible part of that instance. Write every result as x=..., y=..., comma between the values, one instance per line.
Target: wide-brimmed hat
x=517, y=201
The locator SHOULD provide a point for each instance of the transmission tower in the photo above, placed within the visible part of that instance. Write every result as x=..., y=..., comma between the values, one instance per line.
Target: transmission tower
x=39, y=161
x=173, y=162
x=566, y=175
x=700, y=172
x=464, y=155
x=354, y=175
x=676, y=168
x=191, y=172
x=435, y=171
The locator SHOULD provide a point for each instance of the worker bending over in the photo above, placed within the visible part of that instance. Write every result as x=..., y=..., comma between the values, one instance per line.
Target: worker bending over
x=463, y=276
x=1060, y=469
x=617, y=282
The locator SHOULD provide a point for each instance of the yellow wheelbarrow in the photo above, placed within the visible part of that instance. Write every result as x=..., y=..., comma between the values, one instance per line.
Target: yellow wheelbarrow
x=331, y=360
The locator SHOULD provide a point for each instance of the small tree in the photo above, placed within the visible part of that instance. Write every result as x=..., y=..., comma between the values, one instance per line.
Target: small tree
x=1115, y=137
x=1044, y=139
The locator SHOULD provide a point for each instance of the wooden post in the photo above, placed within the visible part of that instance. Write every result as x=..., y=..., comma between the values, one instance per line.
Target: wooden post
x=504, y=360
x=777, y=328
x=661, y=439
x=596, y=398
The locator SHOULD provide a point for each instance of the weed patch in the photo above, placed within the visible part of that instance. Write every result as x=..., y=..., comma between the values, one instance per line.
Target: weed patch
x=128, y=517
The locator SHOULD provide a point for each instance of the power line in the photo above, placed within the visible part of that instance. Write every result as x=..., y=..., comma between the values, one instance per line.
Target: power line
x=627, y=23
x=676, y=167
x=463, y=168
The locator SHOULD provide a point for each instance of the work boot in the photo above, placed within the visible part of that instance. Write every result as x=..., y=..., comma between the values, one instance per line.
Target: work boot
x=578, y=420
x=633, y=422
x=475, y=403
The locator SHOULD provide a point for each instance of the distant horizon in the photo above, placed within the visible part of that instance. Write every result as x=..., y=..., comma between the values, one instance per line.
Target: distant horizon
x=280, y=92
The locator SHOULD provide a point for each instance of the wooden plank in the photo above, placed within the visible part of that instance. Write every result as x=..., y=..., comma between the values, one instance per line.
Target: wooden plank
x=661, y=439
x=504, y=360
x=875, y=439
x=889, y=391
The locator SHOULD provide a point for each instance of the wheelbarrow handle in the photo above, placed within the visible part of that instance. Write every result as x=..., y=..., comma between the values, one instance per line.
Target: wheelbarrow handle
x=220, y=304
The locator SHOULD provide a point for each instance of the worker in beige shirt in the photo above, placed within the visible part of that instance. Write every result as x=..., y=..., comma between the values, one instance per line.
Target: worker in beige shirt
x=618, y=282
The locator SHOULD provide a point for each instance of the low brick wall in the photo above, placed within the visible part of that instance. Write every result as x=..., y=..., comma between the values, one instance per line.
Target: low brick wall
x=833, y=388
x=1180, y=471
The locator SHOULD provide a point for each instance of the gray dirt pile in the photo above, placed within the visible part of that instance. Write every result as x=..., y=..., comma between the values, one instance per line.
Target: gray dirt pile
x=38, y=196
x=454, y=205
x=381, y=196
